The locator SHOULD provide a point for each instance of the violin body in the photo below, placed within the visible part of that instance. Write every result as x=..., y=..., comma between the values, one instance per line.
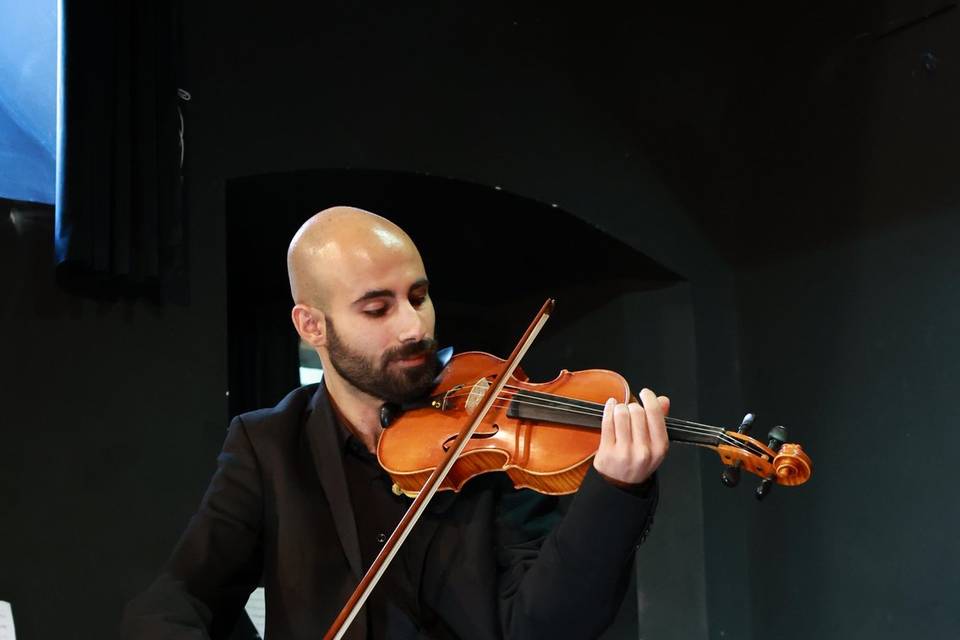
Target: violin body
x=548, y=457
x=544, y=435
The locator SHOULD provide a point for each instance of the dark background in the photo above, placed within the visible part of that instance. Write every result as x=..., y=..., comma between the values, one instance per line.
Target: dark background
x=789, y=171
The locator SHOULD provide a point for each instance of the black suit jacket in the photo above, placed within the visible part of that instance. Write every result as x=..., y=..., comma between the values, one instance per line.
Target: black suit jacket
x=494, y=562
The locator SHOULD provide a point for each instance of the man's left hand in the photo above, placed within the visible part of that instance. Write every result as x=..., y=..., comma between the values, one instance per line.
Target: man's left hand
x=633, y=439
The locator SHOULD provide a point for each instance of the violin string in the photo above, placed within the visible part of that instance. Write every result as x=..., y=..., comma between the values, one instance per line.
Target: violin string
x=721, y=438
x=579, y=408
x=589, y=410
x=711, y=431
x=559, y=401
x=583, y=407
x=600, y=405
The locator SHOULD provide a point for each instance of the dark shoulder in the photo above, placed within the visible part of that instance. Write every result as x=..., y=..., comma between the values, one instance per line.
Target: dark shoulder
x=288, y=414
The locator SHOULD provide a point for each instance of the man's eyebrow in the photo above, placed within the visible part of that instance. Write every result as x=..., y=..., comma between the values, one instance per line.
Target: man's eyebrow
x=376, y=293
x=422, y=282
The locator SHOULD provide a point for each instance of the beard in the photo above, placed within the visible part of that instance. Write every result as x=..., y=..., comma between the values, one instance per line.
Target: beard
x=392, y=384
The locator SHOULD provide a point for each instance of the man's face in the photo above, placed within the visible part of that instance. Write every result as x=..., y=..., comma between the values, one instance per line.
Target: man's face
x=380, y=323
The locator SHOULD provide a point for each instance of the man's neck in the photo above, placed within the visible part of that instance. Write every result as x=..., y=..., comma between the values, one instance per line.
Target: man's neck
x=359, y=410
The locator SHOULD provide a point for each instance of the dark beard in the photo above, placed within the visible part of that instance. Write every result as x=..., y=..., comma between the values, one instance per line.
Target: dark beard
x=399, y=385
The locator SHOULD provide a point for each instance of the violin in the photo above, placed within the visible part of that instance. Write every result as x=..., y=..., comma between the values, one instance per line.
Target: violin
x=485, y=415
x=544, y=435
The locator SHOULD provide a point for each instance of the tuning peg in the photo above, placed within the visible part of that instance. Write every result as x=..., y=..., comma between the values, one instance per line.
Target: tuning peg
x=775, y=440
x=777, y=436
x=765, y=485
x=731, y=474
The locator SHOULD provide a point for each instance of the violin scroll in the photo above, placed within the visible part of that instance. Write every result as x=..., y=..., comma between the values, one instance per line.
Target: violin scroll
x=792, y=465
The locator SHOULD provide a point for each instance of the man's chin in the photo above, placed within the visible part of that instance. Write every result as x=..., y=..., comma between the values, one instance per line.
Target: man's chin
x=413, y=382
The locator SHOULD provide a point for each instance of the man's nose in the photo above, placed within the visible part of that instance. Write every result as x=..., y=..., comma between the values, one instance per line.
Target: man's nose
x=412, y=326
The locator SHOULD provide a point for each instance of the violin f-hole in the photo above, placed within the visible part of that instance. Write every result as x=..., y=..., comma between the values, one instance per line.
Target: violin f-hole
x=478, y=436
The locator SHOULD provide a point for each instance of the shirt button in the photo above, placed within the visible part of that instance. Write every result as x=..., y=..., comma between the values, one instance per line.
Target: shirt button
x=381, y=538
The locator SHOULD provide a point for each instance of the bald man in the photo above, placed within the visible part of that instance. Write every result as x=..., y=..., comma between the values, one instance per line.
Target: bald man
x=299, y=504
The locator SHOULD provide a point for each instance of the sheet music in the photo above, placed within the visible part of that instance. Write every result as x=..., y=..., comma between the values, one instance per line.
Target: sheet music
x=256, y=609
x=7, y=632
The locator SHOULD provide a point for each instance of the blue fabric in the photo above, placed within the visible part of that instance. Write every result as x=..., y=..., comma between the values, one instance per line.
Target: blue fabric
x=28, y=100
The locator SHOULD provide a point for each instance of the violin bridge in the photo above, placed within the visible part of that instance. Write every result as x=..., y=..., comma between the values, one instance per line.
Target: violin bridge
x=476, y=394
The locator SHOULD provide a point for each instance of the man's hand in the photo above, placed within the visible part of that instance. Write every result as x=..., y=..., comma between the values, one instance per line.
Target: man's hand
x=633, y=439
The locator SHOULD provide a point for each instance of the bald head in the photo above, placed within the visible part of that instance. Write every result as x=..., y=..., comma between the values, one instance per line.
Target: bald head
x=336, y=242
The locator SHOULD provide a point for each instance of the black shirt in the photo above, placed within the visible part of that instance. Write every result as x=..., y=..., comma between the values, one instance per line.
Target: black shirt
x=392, y=608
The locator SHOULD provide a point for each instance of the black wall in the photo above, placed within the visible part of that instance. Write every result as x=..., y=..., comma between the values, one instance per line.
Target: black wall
x=795, y=173
x=849, y=308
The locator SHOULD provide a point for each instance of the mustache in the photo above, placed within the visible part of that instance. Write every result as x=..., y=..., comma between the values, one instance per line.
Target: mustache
x=427, y=346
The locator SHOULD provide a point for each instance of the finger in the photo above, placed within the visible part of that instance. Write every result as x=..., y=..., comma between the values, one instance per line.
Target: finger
x=664, y=404
x=638, y=428
x=608, y=436
x=621, y=425
x=656, y=425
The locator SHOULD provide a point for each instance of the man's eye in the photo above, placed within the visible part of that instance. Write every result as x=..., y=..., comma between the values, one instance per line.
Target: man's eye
x=419, y=297
x=375, y=312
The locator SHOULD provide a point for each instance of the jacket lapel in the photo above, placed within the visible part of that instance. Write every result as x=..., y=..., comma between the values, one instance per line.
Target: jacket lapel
x=322, y=436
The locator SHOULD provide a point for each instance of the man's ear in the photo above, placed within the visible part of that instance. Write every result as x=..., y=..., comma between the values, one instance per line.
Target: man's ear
x=310, y=324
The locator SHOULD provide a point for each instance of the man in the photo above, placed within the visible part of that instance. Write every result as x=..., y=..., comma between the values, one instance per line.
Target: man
x=299, y=504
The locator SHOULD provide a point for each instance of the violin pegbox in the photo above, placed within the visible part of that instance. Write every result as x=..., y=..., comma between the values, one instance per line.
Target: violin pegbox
x=777, y=462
